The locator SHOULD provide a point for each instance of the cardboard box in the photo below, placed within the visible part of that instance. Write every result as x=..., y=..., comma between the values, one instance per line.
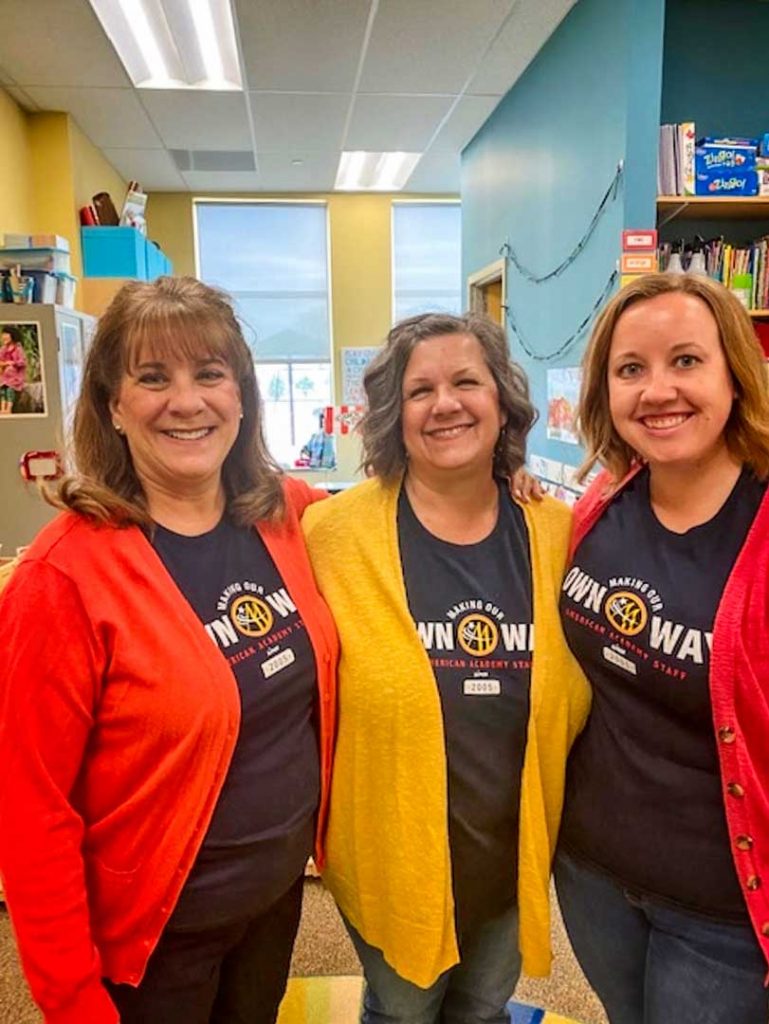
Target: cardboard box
x=718, y=155
x=728, y=183
x=50, y=242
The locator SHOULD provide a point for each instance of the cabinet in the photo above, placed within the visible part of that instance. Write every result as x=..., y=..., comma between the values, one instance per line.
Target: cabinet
x=56, y=342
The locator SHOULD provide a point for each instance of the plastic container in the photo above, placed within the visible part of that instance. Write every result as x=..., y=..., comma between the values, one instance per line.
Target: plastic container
x=36, y=259
x=65, y=290
x=44, y=289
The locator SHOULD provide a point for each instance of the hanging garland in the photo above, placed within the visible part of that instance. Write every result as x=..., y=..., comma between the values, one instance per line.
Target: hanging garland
x=609, y=196
x=573, y=338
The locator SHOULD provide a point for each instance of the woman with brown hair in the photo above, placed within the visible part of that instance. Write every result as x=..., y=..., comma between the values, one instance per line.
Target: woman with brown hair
x=459, y=698
x=663, y=865
x=166, y=688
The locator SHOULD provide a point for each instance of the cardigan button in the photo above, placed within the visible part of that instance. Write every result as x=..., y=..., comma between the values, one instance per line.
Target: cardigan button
x=752, y=882
x=744, y=842
x=765, y=928
x=726, y=734
x=735, y=789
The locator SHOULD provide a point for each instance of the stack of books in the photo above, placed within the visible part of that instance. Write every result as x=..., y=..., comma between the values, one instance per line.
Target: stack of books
x=675, y=161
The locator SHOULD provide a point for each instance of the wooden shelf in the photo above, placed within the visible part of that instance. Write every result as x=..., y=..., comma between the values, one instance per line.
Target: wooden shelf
x=759, y=314
x=712, y=207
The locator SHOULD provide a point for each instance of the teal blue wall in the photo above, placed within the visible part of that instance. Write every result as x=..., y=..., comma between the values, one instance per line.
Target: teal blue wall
x=715, y=72
x=538, y=168
x=716, y=66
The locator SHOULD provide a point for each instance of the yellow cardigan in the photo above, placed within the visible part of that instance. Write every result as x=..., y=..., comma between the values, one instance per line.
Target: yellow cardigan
x=388, y=860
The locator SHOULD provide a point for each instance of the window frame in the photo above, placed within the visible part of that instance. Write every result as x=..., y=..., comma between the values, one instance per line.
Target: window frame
x=274, y=359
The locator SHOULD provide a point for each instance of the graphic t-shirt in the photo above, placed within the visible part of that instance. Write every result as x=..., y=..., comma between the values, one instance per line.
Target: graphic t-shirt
x=261, y=833
x=643, y=799
x=472, y=608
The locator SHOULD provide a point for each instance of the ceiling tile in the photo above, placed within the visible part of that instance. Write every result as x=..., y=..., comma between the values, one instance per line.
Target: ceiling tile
x=317, y=172
x=222, y=181
x=152, y=168
x=301, y=120
x=302, y=45
x=186, y=119
x=466, y=118
x=431, y=46
x=57, y=42
x=437, y=171
x=109, y=117
x=531, y=25
x=389, y=123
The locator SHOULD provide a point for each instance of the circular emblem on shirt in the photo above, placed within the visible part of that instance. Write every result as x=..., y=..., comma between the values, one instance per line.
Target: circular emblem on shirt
x=251, y=616
x=626, y=612
x=477, y=634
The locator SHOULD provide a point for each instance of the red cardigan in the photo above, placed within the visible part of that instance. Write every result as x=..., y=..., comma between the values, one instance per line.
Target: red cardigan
x=118, y=718
x=739, y=693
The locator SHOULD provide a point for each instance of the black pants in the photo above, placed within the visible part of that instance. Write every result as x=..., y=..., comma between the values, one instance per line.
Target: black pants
x=235, y=974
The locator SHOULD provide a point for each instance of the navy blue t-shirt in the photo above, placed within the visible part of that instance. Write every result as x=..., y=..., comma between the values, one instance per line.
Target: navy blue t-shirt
x=261, y=833
x=643, y=799
x=472, y=608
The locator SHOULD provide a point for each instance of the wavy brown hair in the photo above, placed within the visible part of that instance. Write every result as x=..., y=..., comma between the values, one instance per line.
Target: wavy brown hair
x=381, y=429
x=183, y=318
x=747, y=429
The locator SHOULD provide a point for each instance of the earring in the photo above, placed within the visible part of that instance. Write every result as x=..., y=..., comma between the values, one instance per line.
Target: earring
x=117, y=427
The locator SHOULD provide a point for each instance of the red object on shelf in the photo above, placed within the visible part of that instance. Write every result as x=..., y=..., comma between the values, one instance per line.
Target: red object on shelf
x=88, y=216
x=762, y=330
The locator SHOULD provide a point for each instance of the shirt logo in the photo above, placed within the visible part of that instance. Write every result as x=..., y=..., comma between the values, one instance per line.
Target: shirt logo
x=477, y=634
x=626, y=612
x=251, y=616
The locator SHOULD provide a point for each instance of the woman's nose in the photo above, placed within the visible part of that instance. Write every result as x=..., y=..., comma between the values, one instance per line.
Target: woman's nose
x=659, y=387
x=184, y=397
x=446, y=400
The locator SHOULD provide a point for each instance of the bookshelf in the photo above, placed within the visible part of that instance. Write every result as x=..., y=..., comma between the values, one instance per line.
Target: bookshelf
x=712, y=208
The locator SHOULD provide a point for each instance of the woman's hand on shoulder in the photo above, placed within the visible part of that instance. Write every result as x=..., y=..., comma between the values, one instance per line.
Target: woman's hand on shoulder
x=523, y=486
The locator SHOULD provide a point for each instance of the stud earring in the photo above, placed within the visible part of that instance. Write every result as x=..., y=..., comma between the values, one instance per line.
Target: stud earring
x=118, y=428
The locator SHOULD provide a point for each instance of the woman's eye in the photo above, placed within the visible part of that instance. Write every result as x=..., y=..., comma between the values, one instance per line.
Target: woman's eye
x=628, y=370
x=686, y=360
x=152, y=379
x=419, y=392
x=211, y=375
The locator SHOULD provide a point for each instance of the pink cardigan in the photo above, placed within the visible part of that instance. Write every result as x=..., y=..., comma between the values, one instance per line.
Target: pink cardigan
x=118, y=718
x=739, y=692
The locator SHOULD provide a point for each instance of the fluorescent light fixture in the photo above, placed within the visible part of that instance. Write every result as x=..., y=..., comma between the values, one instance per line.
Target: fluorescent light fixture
x=376, y=172
x=173, y=44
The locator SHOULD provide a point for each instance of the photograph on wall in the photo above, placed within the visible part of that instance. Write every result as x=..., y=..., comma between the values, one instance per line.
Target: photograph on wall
x=354, y=363
x=22, y=387
x=562, y=398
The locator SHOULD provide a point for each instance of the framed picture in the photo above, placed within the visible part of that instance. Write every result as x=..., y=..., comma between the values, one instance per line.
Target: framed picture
x=22, y=379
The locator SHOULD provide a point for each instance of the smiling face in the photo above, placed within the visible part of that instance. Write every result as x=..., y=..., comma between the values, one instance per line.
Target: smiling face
x=180, y=418
x=450, y=414
x=670, y=389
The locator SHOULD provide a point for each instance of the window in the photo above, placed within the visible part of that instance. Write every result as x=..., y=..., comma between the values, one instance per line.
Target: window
x=427, y=258
x=273, y=259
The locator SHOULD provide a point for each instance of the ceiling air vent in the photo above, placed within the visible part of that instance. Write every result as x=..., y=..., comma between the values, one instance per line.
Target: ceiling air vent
x=213, y=159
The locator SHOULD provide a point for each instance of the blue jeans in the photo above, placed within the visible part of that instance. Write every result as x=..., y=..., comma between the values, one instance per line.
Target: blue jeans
x=474, y=991
x=651, y=964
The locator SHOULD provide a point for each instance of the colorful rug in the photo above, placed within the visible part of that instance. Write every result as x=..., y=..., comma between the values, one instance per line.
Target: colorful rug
x=337, y=1001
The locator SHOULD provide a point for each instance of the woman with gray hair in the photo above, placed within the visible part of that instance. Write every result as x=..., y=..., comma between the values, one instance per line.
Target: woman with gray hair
x=454, y=727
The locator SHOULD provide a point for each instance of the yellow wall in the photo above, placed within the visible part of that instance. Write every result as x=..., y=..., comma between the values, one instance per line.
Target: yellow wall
x=49, y=170
x=92, y=173
x=15, y=169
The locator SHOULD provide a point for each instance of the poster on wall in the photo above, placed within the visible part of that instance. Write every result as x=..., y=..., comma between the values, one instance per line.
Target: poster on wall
x=354, y=363
x=22, y=387
x=562, y=398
